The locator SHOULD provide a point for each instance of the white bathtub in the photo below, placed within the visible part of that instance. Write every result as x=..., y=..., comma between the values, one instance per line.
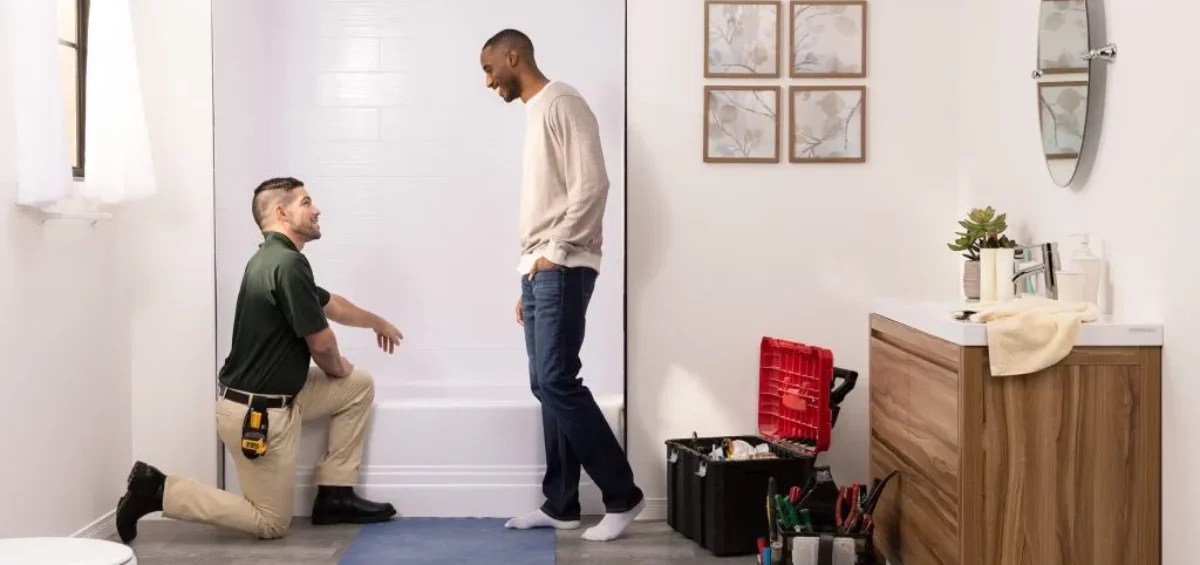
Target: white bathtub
x=441, y=450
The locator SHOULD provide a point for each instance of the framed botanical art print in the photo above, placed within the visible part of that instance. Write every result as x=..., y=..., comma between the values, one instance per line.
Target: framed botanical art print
x=741, y=124
x=743, y=39
x=828, y=124
x=828, y=39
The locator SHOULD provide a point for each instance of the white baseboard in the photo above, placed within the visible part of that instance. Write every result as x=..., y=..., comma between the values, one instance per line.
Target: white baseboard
x=655, y=510
x=104, y=527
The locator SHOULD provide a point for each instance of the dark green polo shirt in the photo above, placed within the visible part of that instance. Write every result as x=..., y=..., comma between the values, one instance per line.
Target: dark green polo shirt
x=278, y=304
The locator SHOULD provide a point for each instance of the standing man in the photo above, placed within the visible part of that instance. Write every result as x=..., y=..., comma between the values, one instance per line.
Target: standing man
x=281, y=323
x=563, y=195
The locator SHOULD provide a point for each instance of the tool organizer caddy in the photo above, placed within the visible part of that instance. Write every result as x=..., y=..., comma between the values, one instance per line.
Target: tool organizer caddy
x=837, y=518
x=720, y=504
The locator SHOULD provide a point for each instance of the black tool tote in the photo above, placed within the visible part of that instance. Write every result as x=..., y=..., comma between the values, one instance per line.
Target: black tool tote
x=720, y=503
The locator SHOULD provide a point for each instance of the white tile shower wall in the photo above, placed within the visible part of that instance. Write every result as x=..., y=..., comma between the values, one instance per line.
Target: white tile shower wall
x=381, y=108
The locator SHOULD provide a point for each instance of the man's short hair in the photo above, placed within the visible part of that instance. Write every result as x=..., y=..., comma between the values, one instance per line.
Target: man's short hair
x=271, y=193
x=511, y=39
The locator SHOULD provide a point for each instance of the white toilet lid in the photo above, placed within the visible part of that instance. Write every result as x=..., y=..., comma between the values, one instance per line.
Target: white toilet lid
x=64, y=551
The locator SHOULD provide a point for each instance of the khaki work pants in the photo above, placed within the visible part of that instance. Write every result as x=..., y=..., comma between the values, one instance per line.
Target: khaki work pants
x=268, y=482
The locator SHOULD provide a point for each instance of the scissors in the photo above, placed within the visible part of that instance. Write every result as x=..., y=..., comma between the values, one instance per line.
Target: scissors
x=848, y=499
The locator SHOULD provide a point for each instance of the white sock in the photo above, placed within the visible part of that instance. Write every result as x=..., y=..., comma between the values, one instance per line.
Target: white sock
x=613, y=525
x=539, y=519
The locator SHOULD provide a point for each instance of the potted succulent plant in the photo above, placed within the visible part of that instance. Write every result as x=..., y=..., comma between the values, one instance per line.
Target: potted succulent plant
x=982, y=229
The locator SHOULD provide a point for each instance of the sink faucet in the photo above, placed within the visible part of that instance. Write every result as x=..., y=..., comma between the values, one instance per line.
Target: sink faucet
x=1048, y=267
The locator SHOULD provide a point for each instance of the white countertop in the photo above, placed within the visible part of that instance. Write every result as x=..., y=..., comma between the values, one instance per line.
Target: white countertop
x=936, y=318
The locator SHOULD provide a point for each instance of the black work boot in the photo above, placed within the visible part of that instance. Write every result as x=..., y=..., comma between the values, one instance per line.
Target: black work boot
x=340, y=505
x=143, y=496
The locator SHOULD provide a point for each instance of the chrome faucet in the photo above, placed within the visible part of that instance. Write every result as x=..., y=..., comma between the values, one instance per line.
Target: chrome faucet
x=1048, y=267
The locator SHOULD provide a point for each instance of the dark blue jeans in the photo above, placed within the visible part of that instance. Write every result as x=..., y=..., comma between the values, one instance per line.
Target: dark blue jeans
x=554, y=307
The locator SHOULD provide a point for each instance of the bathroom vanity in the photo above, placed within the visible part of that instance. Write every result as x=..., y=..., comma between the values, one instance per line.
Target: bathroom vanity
x=1058, y=467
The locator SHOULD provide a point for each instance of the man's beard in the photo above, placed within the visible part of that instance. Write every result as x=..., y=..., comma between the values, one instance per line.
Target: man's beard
x=308, y=231
x=512, y=90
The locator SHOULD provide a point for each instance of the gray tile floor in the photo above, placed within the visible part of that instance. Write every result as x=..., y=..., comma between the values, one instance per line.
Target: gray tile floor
x=167, y=542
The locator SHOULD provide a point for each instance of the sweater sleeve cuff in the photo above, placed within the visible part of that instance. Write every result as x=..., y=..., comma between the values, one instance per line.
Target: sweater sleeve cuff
x=556, y=252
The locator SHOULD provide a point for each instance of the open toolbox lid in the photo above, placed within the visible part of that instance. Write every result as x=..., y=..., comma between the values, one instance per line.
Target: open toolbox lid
x=793, y=394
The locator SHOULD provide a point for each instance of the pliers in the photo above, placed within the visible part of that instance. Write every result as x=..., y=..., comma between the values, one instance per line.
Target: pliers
x=848, y=499
x=868, y=505
x=789, y=519
x=794, y=495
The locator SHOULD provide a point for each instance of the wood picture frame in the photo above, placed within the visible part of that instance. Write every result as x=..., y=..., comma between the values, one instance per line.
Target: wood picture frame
x=741, y=123
x=813, y=134
x=727, y=52
x=828, y=39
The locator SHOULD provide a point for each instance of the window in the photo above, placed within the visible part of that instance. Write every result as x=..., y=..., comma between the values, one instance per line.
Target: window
x=72, y=52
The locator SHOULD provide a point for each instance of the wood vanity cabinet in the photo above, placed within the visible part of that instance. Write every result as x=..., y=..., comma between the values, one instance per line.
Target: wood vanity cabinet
x=1059, y=467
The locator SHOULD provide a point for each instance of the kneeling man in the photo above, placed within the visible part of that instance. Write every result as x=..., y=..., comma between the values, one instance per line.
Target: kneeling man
x=281, y=323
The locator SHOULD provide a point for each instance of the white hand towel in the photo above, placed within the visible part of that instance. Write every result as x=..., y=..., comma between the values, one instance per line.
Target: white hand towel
x=1031, y=333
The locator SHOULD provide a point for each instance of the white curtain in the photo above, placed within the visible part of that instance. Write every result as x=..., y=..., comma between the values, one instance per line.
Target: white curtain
x=119, y=166
x=29, y=47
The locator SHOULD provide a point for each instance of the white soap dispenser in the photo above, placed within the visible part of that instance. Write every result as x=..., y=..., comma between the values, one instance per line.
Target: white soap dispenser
x=1082, y=260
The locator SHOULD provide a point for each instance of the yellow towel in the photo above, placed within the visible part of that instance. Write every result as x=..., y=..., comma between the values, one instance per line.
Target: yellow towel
x=1031, y=333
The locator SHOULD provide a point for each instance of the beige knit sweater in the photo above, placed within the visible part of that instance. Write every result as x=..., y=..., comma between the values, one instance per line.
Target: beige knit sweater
x=564, y=186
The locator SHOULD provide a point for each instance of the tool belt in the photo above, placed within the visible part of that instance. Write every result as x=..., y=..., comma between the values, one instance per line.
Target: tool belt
x=255, y=425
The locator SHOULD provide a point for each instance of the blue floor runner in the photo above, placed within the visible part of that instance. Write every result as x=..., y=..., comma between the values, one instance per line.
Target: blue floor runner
x=438, y=541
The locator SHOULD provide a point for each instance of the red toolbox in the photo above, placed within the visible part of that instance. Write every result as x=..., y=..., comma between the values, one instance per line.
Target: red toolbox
x=720, y=503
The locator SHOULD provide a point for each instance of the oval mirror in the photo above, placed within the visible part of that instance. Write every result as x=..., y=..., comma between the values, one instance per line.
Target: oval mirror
x=1062, y=84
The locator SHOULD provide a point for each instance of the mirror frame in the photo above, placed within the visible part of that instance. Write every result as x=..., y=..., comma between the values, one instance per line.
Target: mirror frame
x=1096, y=75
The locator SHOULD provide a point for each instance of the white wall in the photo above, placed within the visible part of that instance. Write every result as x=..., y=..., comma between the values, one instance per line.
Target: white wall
x=381, y=108
x=110, y=335
x=1139, y=198
x=166, y=248
x=64, y=412
x=64, y=409
x=721, y=255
